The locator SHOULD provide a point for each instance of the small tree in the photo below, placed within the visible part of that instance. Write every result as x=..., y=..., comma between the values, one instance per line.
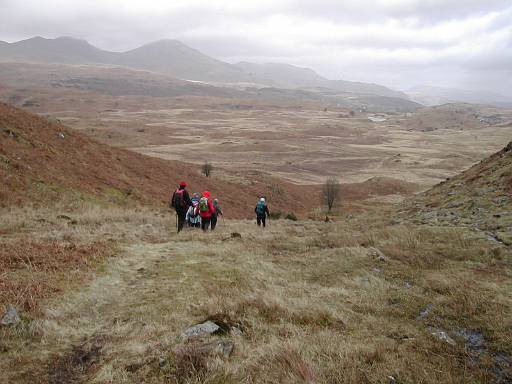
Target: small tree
x=331, y=192
x=207, y=169
x=274, y=191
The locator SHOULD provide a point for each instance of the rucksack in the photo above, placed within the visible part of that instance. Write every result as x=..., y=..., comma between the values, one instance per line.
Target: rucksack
x=179, y=201
x=260, y=208
x=203, y=205
x=193, y=211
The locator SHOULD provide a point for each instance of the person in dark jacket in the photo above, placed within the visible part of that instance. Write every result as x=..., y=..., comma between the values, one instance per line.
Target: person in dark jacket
x=180, y=201
x=261, y=212
x=215, y=215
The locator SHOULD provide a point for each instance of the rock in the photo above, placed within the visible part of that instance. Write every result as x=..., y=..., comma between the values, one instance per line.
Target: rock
x=442, y=335
x=377, y=254
x=11, y=133
x=236, y=331
x=11, y=316
x=61, y=135
x=474, y=340
x=203, y=329
x=425, y=312
x=235, y=235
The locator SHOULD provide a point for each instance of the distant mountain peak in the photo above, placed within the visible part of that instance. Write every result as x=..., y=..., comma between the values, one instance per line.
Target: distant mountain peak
x=172, y=57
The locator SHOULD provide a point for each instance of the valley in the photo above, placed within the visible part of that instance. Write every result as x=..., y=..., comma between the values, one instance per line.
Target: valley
x=303, y=140
x=406, y=280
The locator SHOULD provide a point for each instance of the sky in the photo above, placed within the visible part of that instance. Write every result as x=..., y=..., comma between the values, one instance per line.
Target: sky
x=399, y=43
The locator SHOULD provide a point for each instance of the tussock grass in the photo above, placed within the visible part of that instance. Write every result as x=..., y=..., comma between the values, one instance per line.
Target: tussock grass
x=35, y=270
x=315, y=302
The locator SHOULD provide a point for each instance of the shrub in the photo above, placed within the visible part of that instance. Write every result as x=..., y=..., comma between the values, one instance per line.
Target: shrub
x=291, y=216
x=275, y=215
x=331, y=193
x=207, y=169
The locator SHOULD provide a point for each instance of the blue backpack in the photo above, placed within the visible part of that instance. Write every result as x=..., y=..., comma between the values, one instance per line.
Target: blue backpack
x=260, y=208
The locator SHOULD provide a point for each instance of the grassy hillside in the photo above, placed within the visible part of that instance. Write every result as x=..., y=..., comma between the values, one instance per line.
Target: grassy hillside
x=480, y=197
x=123, y=81
x=106, y=290
x=311, y=302
x=43, y=161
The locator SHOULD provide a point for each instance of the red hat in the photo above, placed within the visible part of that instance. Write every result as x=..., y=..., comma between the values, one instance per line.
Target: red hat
x=183, y=184
x=206, y=194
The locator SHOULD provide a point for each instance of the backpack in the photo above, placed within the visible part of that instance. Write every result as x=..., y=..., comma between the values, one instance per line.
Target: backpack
x=203, y=205
x=178, y=201
x=260, y=208
x=192, y=212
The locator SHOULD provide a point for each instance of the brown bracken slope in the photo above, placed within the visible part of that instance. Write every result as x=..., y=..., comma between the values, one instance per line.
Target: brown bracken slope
x=45, y=162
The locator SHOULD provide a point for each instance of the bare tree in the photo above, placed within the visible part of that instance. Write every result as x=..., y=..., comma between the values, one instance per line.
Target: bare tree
x=274, y=191
x=331, y=192
x=207, y=169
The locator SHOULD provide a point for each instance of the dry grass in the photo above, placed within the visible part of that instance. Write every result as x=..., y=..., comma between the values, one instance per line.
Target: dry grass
x=315, y=302
x=33, y=271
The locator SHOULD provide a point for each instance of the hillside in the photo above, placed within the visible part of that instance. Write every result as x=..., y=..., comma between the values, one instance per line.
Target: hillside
x=179, y=60
x=480, y=197
x=428, y=95
x=457, y=116
x=290, y=76
x=176, y=59
x=123, y=81
x=64, y=50
x=45, y=162
x=350, y=302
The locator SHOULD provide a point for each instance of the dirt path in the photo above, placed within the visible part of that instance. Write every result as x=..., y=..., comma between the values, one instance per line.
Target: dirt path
x=141, y=301
x=83, y=328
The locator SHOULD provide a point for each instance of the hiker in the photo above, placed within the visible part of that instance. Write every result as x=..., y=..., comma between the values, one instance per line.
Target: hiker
x=180, y=201
x=261, y=212
x=193, y=219
x=218, y=211
x=195, y=198
x=206, y=210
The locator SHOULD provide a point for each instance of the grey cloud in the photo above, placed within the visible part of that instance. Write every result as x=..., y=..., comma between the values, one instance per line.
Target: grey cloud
x=423, y=11
x=398, y=43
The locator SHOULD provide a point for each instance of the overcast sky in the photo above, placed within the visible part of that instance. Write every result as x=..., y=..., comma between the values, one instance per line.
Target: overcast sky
x=399, y=43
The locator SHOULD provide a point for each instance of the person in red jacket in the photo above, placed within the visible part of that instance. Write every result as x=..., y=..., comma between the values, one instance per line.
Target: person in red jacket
x=206, y=210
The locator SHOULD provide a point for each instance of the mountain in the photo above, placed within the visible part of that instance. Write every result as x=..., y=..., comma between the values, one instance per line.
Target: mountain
x=65, y=50
x=167, y=56
x=429, y=95
x=122, y=81
x=480, y=197
x=290, y=76
x=43, y=161
x=283, y=75
x=176, y=59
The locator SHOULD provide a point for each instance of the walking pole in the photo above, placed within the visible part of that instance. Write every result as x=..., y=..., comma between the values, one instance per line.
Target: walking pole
x=176, y=220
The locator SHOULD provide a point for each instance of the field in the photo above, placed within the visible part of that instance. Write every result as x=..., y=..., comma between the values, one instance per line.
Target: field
x=304, y=141
x=354, y=301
